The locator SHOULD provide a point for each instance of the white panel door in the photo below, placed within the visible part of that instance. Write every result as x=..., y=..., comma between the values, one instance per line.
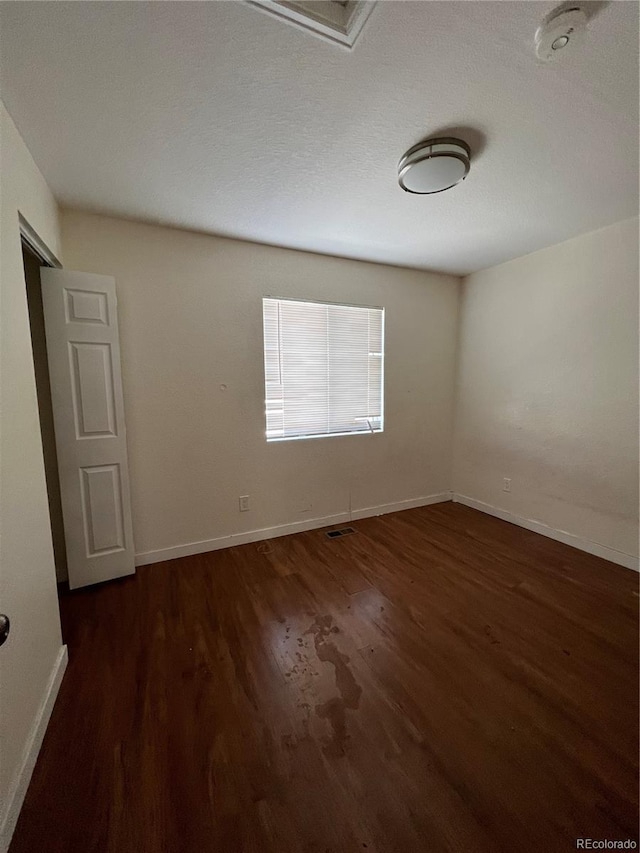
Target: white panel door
x=81, y=322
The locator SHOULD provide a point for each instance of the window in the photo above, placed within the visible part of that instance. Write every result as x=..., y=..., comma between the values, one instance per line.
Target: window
x=323, y=366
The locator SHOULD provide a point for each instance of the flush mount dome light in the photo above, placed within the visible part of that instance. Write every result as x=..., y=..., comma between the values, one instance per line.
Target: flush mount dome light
x=434, y=165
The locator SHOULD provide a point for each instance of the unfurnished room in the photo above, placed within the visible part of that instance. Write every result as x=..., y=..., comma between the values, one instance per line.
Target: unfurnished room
x=319, y=440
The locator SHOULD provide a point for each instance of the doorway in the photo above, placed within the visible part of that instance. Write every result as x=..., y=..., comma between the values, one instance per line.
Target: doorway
x=32, y=263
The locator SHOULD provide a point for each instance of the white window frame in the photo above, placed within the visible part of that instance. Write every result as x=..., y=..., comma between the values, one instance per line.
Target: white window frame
x=367, y=430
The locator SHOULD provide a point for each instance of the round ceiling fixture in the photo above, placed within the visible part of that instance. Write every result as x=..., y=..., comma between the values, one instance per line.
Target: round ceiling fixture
x=434, y=165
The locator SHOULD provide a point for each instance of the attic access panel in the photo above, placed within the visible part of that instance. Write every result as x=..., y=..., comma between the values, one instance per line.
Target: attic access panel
x=338, y=21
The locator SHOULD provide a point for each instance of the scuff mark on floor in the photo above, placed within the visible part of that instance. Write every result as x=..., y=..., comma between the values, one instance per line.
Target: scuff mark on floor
x=350, y=691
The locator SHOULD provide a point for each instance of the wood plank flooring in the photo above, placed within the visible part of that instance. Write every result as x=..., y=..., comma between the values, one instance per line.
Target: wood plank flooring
x=440, y=681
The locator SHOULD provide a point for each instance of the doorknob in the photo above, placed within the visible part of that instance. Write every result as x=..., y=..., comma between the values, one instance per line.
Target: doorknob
x=5, y=625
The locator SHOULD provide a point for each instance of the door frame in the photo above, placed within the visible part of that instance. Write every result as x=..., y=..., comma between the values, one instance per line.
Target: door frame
x=37, y=246
x=30, y=240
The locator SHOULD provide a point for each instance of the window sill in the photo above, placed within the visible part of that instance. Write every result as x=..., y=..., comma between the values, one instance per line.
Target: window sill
x=325, y=435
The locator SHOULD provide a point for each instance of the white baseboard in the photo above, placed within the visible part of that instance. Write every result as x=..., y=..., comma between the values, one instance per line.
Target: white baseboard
x=32, y=748
x=412, y=503
x=618, y=557
x=172, y=553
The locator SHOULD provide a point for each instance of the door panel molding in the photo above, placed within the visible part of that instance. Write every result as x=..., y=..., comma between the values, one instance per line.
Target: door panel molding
x=83, y=350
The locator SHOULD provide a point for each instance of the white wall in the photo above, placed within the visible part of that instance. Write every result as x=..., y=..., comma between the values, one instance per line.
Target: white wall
x=548, y=387
x=33, y=653
x=190, y=316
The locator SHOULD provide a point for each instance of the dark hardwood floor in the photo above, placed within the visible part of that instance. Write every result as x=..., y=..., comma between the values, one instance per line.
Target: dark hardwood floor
x=440, y=681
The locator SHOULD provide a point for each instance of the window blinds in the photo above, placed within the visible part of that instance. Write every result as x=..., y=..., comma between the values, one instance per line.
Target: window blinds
x=324, y=366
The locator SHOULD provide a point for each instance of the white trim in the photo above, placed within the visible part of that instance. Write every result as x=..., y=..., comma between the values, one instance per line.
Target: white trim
x=298, y=14
x=31, y=238
x=232, y=539
x=618, y=557
x=325, y=434
x=147, y=557
x=412, y=503
x=324, y=302
x=20, y=784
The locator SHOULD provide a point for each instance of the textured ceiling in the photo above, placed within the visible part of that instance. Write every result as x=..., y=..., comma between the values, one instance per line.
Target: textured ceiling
x=216, y=117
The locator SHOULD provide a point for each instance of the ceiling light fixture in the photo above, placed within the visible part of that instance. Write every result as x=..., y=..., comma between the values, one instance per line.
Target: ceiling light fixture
x=434, y=165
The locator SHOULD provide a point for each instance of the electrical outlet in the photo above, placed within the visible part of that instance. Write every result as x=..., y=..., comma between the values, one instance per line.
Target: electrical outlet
x=243, y=502
x=506, y=484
